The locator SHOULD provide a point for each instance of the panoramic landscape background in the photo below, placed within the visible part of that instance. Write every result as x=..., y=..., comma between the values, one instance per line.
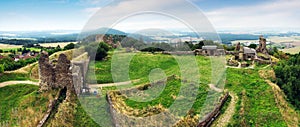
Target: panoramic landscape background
x=88, y=63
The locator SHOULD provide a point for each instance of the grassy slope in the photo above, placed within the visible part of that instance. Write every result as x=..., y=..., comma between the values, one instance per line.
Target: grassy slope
x=10, y=97
x=260, y=106
x=256, y=105
x=13, y=76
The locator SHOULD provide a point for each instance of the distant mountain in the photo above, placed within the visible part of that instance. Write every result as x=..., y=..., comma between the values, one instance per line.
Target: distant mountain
x=99, y=31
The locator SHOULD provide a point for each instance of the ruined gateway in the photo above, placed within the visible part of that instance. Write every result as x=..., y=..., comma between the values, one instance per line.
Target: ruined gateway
x=62, y=74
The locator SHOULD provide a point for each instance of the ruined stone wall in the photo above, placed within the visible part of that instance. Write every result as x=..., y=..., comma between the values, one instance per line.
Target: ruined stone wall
x=62, y=74
x=55, y=75
x=262, y=48
x=46, y=72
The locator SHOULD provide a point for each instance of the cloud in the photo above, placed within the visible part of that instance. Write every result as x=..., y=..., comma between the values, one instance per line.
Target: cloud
x=274, y=14
x=95, y=2
x=180, y=10
x=91, y=11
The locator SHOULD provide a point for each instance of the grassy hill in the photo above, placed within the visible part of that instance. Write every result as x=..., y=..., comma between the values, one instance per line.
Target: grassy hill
x=256, y=102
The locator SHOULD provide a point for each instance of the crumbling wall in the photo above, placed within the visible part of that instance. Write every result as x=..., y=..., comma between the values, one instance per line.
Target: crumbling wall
x=262, y=48
x=46, y=72
x=62, y=73
x=55, y=76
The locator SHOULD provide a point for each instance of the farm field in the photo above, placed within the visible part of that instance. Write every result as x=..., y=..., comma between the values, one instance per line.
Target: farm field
x=294, y=50
x=7, y=46
x=277, y=39
x=61, y=44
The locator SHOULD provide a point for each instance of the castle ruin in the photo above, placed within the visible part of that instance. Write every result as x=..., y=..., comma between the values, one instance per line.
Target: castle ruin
x=262, y=47
x=62, y=74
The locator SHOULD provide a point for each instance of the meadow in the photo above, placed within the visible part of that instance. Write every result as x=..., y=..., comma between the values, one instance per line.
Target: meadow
x=140, y=65
x=256, y=105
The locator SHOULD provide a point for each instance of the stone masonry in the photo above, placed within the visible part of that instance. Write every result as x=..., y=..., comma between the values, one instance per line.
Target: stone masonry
x=55, y=75
x=262, y=48
x=60, y=74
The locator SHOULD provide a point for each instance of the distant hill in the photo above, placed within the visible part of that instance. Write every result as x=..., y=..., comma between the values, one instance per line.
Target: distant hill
x=99, y=31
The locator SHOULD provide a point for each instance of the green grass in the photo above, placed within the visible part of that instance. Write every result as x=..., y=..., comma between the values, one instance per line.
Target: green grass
x=259, y=102
x=94, y=107
x=169, y=94
x=141, y=66
x=13, y=76
x=11, y=96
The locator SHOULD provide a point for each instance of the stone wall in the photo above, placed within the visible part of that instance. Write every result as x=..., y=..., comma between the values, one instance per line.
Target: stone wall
x=262, y=47
x=61, y=73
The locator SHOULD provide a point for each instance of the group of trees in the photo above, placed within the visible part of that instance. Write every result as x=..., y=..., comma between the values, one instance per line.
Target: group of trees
x=58, y=48
x=277, y=53
x=287, y=76
x=202, y=43
x=97, y=50
x=8, y=64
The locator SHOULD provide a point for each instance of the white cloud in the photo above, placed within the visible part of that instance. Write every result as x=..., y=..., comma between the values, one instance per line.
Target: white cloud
x=91, y=11
x=275, y=14
x=179, y=10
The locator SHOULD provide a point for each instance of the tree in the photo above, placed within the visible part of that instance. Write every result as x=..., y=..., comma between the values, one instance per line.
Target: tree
x=287, y=76
x=69, y=46
x=102, y=50
x=97, y=50
x=252, y=46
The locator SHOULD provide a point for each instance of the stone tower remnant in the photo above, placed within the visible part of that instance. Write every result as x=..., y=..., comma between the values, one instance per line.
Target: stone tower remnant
x=55, y=75
x=238, y=46
x=62, y=74
x=262, y=48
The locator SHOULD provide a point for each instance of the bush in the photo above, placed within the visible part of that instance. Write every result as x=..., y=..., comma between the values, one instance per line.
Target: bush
x=1, y=68
x=97, y=50
x=69, y=46
x=252, y=46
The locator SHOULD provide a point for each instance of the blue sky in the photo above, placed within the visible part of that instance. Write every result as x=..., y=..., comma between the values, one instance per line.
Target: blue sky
x=31, y=15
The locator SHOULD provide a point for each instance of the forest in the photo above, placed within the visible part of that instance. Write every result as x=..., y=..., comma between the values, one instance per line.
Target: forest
x=288, y=75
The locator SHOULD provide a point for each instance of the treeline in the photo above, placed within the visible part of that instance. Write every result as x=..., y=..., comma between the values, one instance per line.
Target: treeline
x=158, y=47
x=288, y=75
x=8, y=64
x=36, y=41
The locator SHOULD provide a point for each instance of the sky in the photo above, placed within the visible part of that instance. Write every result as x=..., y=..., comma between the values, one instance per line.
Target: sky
x=39, y=15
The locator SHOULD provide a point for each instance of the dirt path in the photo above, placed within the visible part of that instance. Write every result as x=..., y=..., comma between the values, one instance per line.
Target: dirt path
x=2, y=84
x=213, y=87
x=224, y=119
x=111, y=84
x=289, y=114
